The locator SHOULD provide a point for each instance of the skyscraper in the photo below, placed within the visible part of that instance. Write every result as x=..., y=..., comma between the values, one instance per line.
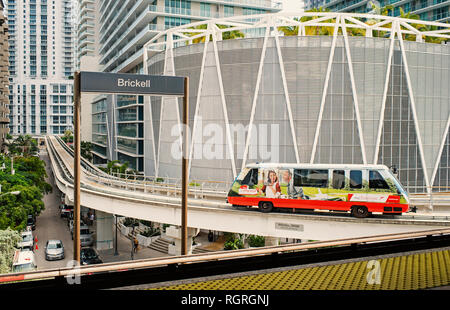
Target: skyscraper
x=431, y=10
x=112, y=34
x=41, y=62
x=4, y=89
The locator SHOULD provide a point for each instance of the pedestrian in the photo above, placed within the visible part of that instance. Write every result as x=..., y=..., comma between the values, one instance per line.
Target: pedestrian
x=91, y=218
x=136, y=244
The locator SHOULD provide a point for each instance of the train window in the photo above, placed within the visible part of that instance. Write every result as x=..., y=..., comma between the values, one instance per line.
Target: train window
x=376, y=181
x=356, y=179
x=310, y=178
x=338, y=179
x=251, y=178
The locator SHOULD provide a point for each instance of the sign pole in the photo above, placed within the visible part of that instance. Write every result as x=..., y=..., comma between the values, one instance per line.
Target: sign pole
x=76, y=165
x=185, y=165
x=125, y=83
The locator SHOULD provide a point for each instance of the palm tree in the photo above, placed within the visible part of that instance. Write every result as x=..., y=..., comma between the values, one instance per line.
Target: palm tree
x=310, y=30
x=117, y=166
x=409, y=15
x=227, y=35
x=430, y=39
x=232, y=34
x=290, y=30
x=200, y=39
x=318, y=30
x=25, y=145
x=86, y=148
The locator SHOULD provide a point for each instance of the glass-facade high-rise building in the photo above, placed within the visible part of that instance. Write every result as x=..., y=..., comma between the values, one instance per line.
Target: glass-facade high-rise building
x=41, y=64
x=114, y=33
x=431, y=10
x=4, y=81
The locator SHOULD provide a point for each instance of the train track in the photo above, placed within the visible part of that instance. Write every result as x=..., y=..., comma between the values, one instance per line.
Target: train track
x=159, y=194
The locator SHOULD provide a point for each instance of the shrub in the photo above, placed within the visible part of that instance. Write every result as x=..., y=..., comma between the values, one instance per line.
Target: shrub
x=256, y=241
x=233, y=243
x=130, y=222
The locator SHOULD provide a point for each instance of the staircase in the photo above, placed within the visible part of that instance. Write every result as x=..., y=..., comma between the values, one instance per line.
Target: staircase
x=160, y=245
x=200, y=251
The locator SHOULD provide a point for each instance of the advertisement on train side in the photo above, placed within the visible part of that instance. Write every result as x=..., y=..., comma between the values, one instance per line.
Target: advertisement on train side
x=316, y=184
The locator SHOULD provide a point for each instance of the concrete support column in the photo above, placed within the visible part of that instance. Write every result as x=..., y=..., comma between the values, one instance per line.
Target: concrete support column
x=174, y=232
x=270, y=241
x=105, y=234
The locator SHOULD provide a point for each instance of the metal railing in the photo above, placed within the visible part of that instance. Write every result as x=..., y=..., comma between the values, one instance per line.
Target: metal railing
x=213, y=189
x=147, y=184
x=216, y=256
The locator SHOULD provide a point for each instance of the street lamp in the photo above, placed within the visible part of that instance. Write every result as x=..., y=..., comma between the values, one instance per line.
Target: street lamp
x=15, y=193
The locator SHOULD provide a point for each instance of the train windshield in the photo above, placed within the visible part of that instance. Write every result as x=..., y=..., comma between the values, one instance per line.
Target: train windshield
x=399, y=186
x=243, y=173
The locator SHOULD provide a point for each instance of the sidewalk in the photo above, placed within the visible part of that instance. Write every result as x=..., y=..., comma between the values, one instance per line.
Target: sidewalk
x=124, y=249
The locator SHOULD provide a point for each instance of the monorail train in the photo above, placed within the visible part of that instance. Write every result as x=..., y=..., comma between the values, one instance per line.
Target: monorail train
x=360, y=189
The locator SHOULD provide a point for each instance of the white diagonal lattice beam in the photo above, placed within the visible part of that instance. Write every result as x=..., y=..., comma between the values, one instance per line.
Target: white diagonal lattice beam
x=385, y=90
x=147, y=101
x=286, y=94
x=325, y=91
x=413, y=109
x=197, y=104
x=224, y=105
x=441, y=148
x=255, y=96
x=354, y=92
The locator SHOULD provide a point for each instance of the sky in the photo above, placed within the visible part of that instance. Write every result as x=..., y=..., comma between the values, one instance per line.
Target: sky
x=292, y=5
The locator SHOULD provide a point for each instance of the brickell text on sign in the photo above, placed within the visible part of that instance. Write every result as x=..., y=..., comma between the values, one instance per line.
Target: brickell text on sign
x=124, y=83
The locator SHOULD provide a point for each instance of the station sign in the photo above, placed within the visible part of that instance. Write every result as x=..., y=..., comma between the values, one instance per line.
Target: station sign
x=136, y=84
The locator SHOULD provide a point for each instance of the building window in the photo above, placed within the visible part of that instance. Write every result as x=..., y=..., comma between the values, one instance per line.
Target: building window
x=205, y=9
x=228, y=11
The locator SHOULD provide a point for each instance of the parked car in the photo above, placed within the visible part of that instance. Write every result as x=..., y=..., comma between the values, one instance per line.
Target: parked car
x=31, y=221
x=27, y=242
x=71, y=226
x=69, y=217
x=88, y=256
x=54, y=250
x=65, y=210
x=86, y=238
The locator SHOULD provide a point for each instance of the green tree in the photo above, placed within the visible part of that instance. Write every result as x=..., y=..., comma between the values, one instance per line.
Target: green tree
x=68, y=136
x=116, y=166
x=33, y=169
x=226, y=35
x=29, y=181
x=86, y=148
x=310, y=30
x=256, y=241
x=14, y=209
x=25, y=145
x=233, y=242
x=232, y=34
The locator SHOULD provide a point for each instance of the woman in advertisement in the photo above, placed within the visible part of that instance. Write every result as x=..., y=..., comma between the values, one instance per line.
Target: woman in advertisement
x=272, y=188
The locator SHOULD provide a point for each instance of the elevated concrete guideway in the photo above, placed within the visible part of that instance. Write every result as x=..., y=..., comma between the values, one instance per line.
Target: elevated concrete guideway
x=107, y=194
